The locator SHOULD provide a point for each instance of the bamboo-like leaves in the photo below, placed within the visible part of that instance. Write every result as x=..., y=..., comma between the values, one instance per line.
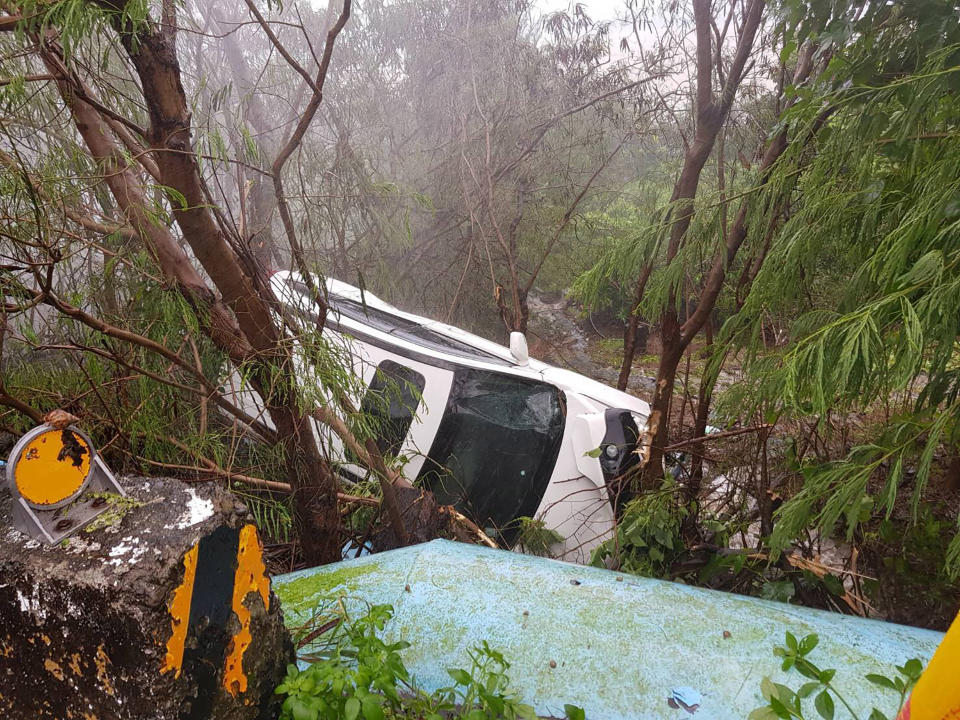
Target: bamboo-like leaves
x=868, y=263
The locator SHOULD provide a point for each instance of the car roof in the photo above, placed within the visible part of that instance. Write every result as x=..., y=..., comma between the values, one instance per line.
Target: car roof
x=362, y=312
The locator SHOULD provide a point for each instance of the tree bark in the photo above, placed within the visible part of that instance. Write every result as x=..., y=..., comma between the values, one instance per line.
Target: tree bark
x=133, y=201
x=679, y=337
x=241, y=324
x=630, y=333
x=704, y=398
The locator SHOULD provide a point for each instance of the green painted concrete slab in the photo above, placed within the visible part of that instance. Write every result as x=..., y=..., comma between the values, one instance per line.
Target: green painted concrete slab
x=620, y=644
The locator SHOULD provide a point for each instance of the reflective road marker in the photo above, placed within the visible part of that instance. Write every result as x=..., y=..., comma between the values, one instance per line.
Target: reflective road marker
x=58, y=482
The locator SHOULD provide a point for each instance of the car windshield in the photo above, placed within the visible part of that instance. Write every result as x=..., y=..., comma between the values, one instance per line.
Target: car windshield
x=496, y=447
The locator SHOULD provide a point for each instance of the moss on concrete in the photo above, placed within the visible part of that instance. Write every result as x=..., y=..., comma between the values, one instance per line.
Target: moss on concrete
x=305, y=592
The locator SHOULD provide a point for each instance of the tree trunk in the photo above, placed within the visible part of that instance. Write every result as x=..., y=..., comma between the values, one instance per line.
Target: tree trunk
x=522, y=316
x=711, y=114
x=629, y=350
x=630, y=333
x=308, y=473
x=241, y=324
x=704, y=398
x=659, y=430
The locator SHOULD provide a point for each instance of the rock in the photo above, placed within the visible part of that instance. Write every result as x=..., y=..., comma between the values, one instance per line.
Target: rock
x=160, y=610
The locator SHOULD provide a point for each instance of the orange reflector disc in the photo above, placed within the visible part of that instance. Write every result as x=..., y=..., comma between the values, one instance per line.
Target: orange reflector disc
x=47, y=473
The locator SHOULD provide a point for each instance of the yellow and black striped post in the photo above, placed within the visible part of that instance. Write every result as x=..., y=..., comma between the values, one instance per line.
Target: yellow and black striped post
x=162, y=609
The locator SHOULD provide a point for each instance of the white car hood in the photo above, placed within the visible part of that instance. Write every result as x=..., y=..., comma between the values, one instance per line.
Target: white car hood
x=597, y=391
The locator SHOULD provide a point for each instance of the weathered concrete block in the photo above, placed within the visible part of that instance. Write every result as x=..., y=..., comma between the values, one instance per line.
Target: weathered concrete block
x=161, y=611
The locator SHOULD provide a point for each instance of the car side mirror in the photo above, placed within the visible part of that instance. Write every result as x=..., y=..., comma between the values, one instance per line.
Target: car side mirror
x=518, y=348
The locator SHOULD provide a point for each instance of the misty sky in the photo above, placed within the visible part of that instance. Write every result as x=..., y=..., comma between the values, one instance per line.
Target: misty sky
x=596, y=9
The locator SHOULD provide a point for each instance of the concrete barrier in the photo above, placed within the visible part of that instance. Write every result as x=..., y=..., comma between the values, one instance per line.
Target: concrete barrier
x=161, y=609
x=619, y=646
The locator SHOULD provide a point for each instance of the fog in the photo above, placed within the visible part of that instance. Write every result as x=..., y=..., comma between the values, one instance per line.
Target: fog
x=460, y=147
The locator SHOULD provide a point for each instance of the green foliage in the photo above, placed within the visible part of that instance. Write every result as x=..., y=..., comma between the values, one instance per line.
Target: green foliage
x=648, y=537
x=779, y=590
x=78, y=20
x=609, y=353
x=274, y=518
x=867, y=262
x=481, y=693
x=119, y=506
x=629, y=241
x=909, y=566
x=784, y=702
x=534, y=537
x=362, y=676
x=142, y=423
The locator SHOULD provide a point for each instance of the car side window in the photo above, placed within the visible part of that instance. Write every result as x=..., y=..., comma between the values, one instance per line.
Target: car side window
x=391, y=402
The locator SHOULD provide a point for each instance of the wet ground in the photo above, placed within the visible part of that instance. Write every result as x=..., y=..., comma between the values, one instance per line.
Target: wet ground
x=564, y=336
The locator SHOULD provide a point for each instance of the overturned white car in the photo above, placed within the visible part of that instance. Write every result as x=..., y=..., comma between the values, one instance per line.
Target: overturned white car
x=486, y=428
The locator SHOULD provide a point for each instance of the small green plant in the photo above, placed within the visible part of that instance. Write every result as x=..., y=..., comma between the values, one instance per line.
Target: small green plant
x=535, y=538
x=482, y=693
x=784, y=702
x=912, y=583
x=779, y=590
x=648, y=537
x=361, y=676
x=111, y=517
x=274, y=518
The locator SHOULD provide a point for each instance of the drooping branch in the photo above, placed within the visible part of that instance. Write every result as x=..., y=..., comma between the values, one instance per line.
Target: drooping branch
x=6, y=398
x=369, y=456
x=71, y=213
x=205, y=392
x=713, y=284
x=293, y=142
x=131, y=198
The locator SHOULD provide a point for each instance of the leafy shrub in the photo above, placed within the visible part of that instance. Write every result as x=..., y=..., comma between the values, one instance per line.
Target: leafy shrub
x=362, y=676
x=535, y=538
x=648, y=537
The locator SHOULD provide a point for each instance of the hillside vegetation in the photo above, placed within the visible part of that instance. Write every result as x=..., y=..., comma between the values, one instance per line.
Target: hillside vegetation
x=746, y=212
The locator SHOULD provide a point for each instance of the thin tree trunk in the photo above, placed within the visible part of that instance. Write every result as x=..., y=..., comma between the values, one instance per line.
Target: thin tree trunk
x=629, y=350
x=704, y=397
x=711, y=116
x=630, y=333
